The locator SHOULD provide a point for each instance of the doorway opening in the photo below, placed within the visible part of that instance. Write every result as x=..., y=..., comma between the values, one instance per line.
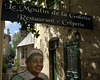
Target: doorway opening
x=53, y=44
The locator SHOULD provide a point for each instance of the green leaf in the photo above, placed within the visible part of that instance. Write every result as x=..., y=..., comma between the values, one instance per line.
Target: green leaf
x=20, y=1
x=37, y=34
x=40, y=2
x=28, y=3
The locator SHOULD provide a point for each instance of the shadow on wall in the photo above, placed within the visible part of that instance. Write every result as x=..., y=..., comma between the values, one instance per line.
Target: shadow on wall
x=90, y=53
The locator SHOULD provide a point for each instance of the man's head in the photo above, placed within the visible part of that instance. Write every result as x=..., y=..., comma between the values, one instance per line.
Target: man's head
x=34, y=61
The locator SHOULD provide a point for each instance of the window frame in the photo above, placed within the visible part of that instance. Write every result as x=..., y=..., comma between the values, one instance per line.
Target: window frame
x=72, y=43
x=24, y=50
x=53, y=44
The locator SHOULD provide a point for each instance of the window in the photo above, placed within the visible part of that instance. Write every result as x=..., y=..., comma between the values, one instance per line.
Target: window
x=72, y=60
x=24, y=50
x=72, y=57
x=4, y=40
x=4, y=51
x=54, y=44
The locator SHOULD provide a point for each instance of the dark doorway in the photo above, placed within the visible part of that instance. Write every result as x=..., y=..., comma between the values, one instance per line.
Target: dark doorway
x=52, y=64
x=52, y=59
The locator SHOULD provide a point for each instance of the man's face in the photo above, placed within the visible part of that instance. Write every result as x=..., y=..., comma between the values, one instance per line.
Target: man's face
x=35, y=65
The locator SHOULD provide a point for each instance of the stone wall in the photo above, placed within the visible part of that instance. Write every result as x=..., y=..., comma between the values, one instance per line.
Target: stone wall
x=89, y=49
x=47, y=32
x=89, y=42
x=90, y=53
x=90, y=39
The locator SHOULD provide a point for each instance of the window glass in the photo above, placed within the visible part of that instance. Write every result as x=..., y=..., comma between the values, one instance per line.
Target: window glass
x=24, y=52
x=72, y=60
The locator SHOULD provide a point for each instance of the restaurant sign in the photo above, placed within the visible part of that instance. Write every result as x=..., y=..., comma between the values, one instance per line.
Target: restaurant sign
x=32, y=14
